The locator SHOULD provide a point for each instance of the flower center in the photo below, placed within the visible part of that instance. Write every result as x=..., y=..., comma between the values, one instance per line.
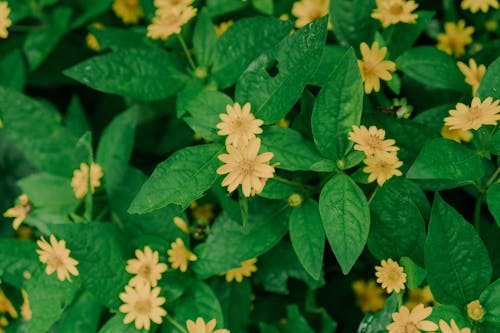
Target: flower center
x=396, y=9
x=246, y=166
x=130, y=3
x=28, y=208
x=143, y=307
x=410, y=328
x=145, y=271
x=55, y=261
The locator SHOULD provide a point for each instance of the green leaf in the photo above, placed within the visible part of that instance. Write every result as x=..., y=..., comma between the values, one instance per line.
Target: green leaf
x=142, y=74
x=337, y=108
x=377, y=323
x=264, y=6
x=181, y=179
x=82, y=316
x=456, y=260
x=204, y=39
x=332, y=54
x=447, y=313
x=490, y=300
x=493, y=144
x=89, y=10
x=415, y=274
x=275, y=189
x=308, y=236
x=244, y=41
x=493, y=200
x=352, y=22
x=490, y=82
x=13, y=71
x=432, y=67
x=111, y=38
x=221, y=7
x=346, y=219
x=235, y=300
x=296, y=322
x=274, y=82
x=17, y=257
x=75, y=119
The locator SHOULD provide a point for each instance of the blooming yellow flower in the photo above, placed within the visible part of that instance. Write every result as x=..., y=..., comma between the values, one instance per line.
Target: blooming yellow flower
x=222, y=27
x=57, y=258
x=244, y=166
x=5, y=22
x=455, y=38
x=19, y=212
x=419, y=296
x=382, y=168
x=181, y=224
x=146, y=267
x=445, y=328
x=129, y=11
x=142, y=304
x=473, y=73
x=246, y=269
x=369, y=296
x=6, y=306
x=169, y=22
x=238, y=124
x=201, y=327
x=394, y=11
x=478, y=114
x=391, y=276
x=405, y=321
x=456, y=135
x=25, y=307
x=180, y=256
x=80, y=179
x=371, y=141
x=475, y=5
x=172, y=4
x=373, y=67
x=307, y=11
x=475, y=310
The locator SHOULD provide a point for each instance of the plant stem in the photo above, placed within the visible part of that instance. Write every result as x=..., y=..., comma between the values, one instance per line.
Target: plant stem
x=373, y=194
x=290, y=182
x=477, y=212
x=186, y=50
x=176, y=324
x=493, y=177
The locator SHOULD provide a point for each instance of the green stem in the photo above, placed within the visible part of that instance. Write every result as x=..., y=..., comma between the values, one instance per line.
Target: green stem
x=493, y=177
x=186, y=50
x=176, y=324
x=373, y=194
x=291, y=182
x=477, y=212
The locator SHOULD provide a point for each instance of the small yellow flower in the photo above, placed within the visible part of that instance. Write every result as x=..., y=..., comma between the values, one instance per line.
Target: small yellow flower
x=445, y=328
x=391, y=276
x=201, y=327
x=169, y=22
x=455, y=38
x=129, y=11
x=19, y=212
x=238, y=124
x=6, y=306
x=172, y=4
x=475, y=310
x=246, y=269
x=91, y=40
x=25, y=307
x=473, y=73
x=478, y=114
x=371, y=141
x=307, y=11
x=456, y=135
x=419, y=296
x=373, y=67
x=405, y=321
x=80, y=179
x=57, y=258
x=142, y=304
x=180, y=256
x=369, y=296
x=146, y=267
x=245, y=167
x=222, y=27
x=394, y=11
x=475, y=5
x=295, y=200
x=3, y=324
x=382, y=168
x=181, y=224
x=5, y=22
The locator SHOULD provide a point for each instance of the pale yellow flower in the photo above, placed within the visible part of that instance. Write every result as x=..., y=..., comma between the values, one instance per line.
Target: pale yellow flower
x=19, y=212
x=475, y=5
x=455, y=38
x=419, y=296
x=478, y=114
x=181, y=224
x=445, y=328
x=80, y=179
x=5, y=21
x=146, y=267
x=391, y=276
x=238, y=124
x=307, y=11
x=222, y=27
x=371, y=141
x=405, y=321
x=142, y=304
x=6, y=306
x=394, y=11
x=382, y=168
x=25, y=307
x=129, y=11
x=246, y=269
x=169, y=22
x=201, y=327
x=179, y=256
x=369, y=296
x=473, y=73
x=203, y=212
x=373, y=67
x=475, y=310
x=172, y=4
x=56, y=256
x=457, y=135
x=245, y=167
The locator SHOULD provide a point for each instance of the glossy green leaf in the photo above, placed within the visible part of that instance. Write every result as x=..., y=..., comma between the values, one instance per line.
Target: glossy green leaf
x=493, y=144
x=377, y=323
x=332, y=54
x=25, y=259
x=493, y=199
x=75, y=119
x=296, y=322
x=352, y=22
x=490, y=300
x=82, y=316
x=204, y=39
x=490, y=82
x=13, y=71
x=264, y=6
x=235, y=300
x=415, y=274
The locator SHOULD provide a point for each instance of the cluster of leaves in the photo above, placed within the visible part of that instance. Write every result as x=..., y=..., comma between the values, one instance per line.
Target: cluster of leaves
x=135, y=109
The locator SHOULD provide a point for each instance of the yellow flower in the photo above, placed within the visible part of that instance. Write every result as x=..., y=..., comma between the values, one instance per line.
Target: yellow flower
x=373, y=67
x=6, y=306
x=172, y=4
x=80, y=179
x=394, y=11
x=419, y=296
x=181, y=224
x=25, y=307
x=382, y=168
x=201, y=327
x=475, y=310
x=369, y=296
x=129, y=11
x=478, y=114
x=246, y=269
x=146, y=267
x=204, y=212
x=371, y=141
x=445, y=328
x=20, y=211
x=475, y=5
x=391, y=276
x=5, y=22
x=238, y=124
x=180, y=256
x=3, y=324
x=91, y=40
x=473, y=73
x=246, y=168
x=142, y=304
x=457, y=135
x=57, y=258
x=307, y=11
x=405, y=321
x=169, y=22
x=295, y=200
x=222, y=27
x=455, y=38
